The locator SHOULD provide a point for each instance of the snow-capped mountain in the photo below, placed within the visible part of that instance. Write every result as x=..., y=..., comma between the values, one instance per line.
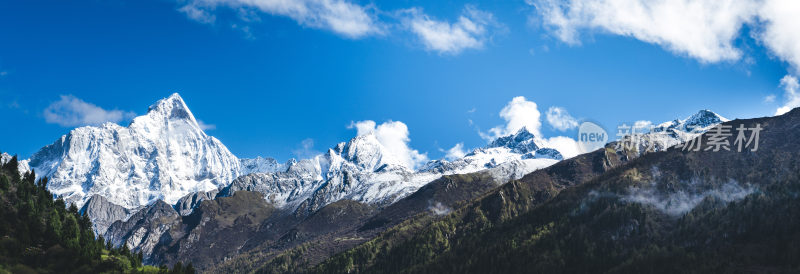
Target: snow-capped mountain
x=162, y=155
x=22, y=166
x=522, y=147
x=363, y=170
x=668, y=134
x=165, y=155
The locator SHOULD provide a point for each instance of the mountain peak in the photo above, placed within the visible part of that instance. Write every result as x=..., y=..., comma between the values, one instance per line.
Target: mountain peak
x=698, y=122
x=707, y=114
x=366, y=151
x=702, y=119
x=520, y=142
x=172, y=107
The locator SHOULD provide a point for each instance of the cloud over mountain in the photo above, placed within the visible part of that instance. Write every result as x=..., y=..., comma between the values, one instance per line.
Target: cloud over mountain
x=71, y=111
x=560, y=119
x=392, y=135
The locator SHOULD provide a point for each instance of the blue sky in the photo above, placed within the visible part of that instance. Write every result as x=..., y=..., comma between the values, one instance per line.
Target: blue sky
x=267, y=77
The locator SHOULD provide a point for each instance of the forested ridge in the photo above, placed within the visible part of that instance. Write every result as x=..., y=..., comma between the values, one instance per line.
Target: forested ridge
x=39, y=234
x=667, y=212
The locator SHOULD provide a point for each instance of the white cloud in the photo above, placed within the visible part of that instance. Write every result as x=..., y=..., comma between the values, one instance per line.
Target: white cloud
x=780, y=31
x=471, y=31
x=642, y=125
x=306, y=149
x=205, y=126
x=790, y=85
x=392, y=135
x=567, y=146
x=362, y=127
x=71, y=111
x=340, y=16
x=518, y=113
x=769, y=98
x=560, y=119
x=455, y=152
x=523, y=113
x=701, y=29
x=198, y=14
x=438, y=208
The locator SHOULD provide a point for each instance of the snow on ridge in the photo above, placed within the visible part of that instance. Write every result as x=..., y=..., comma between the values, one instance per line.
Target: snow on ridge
x=163, y=154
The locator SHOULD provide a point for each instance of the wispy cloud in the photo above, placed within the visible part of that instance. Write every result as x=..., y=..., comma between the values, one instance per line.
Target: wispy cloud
x=340, y=16
x=703, y=29
x=560, y=119
x=438, y=208
x=792, y=93
x=70, y=111
x=455, y=152
x=471, y=31
x=205, y=126
x=680, y=201
x=306, y=149
x=642, y=124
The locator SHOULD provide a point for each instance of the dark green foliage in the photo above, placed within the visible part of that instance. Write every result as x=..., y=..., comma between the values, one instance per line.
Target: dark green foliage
x=41, y=235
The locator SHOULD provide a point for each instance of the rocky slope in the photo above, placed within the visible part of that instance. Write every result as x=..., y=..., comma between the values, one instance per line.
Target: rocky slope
x=103, y=212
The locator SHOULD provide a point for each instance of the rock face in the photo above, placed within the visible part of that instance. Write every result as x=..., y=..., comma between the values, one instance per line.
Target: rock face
x=144, y=229
x=103, y=212
x=187, y=203
x=213, y=230
x=521, y=142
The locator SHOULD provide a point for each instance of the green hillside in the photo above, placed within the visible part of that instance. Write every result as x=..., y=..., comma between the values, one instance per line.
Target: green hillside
x=42, y=235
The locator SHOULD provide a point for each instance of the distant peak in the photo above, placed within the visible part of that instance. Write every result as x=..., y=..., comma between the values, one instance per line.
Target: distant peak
x=704, y=113
x=520, y=142
x=703, y=118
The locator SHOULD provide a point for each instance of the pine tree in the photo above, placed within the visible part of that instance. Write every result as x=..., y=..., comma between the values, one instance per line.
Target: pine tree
x=189, y=269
